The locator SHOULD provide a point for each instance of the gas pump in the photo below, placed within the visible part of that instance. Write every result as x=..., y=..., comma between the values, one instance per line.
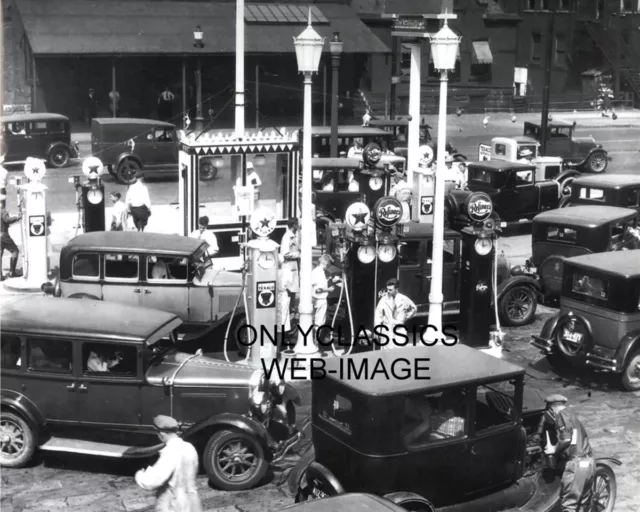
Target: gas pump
x=35, y=239
x=426, y=184
x=478, y=285
x=90, y=198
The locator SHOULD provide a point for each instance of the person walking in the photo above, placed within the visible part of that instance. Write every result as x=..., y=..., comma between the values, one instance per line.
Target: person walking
x=393, y=309
x=119, y=213
x=573, y=451
x=173, y=476
x=6, y=242
x=165, y=105
x=139, y=203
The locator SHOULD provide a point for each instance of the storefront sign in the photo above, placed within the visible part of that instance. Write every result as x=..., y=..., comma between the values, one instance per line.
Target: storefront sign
x=479, y=207
x=484, y=152
x=388, y=211
x=409, y=26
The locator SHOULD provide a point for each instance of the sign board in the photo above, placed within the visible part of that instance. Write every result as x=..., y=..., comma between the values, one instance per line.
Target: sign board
x=426, y=205
x=410, y=26
x=36, y=225
x=479, y=207
x=388, y=212
x=245, y=200
x=266, y=295
x=484, y=152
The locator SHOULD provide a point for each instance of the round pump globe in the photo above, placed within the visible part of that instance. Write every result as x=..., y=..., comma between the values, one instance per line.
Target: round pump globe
x=444, y=48
x=308, y=49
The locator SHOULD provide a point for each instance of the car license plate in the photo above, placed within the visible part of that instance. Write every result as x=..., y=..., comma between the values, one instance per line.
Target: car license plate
x=574, y=337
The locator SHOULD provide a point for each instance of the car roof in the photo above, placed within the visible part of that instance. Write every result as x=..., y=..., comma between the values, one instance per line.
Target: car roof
x=446, y=366
x=355, y=130
x=335, y=163
x=556, y=123
x=611, y=180
x=352, y=502
x=132, y=120
x=26, y=117
x=85, y=318
x=419, y=230
x=585, y=215
x=502, y=165
x=133, y=241
x=619, y=263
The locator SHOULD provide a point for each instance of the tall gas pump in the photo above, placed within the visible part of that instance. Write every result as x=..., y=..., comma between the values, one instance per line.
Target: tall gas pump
x=35, y=239
x=262, y=286
x=90, y=196
x=477, y=290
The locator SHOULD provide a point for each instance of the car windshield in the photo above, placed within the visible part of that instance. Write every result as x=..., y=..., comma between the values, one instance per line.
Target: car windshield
x=526, y=152
x=480, y=175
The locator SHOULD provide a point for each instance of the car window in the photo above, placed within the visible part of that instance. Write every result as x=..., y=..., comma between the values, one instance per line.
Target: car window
x=86, y=265
x=524, y=177
x=164, y=134
x=434, y=417
x=501, y=149
x=121, y=267
x=56, y=127
x=38, y=127
x=109, y=359
x=494, y=405
x=590, y=286
x=449, y=251
x=560, y=234
x=619, y=233
x=560, y=133
x=551, y=172
x=49, y=355
x=338, y=411
x=166, y=268
x=596, y=194
x=632, y=198
x=10, y=352
x=481, y=175
x=409, y=253
x=17, y=128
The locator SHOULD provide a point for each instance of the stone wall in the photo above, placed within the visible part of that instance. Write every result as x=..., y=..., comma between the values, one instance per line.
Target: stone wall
x=16, y=93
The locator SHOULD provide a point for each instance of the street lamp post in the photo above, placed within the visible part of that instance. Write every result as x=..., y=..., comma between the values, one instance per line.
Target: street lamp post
x=308, y=47
x=336, y=50
x=444, y=48
x=197, y=42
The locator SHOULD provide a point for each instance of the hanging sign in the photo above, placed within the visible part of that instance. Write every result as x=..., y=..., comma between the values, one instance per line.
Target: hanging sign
x=244, y=200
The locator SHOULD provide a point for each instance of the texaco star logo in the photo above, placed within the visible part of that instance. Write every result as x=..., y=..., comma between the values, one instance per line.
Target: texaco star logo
x=263, y=222
x=357, y=216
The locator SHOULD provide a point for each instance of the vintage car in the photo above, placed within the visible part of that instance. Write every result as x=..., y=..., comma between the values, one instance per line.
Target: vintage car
x=510, y=149
x=518, y=191
x=380, y=434
x=581, y=152
x=84, y=376
x=128, y=146
x=567, y=232
x=119, y=266
x=321, y=138
x=610, y=189
x=598, y=325
x=354, y=502
x=46, y=136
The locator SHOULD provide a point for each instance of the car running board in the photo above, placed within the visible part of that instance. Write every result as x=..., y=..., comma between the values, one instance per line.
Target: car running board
x=117, y=451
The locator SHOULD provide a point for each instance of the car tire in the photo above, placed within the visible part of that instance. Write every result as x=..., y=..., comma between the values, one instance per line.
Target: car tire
x=208, y=171
x=606, y=489
x=17, y=452
x=127, y=171
x=229, y=442
x=597, y=162
x=59, y=157
x=630, y=375
x=518, y=305
x=317, y=478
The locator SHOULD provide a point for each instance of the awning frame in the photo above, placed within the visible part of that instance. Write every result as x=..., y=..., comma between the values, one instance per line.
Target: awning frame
x=481, y=52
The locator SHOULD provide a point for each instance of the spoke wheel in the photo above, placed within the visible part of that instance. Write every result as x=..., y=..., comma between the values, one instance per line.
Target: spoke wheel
x=17, y=442
x=605, y=490
x=127, y=172
x=58, y=157
x=597, y=162
x=518, y=306
x=631, y=374
x=234, y=460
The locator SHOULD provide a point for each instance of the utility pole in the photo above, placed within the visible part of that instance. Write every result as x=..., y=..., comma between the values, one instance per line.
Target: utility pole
x=617, y=35
x=546, y=93
x=395, y=48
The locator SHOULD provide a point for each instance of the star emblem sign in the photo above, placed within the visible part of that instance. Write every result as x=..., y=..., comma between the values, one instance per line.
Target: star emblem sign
x=359, y=218
x=265, y=223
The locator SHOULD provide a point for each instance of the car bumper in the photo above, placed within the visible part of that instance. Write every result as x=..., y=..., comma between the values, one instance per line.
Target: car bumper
x=543, y=344
x=597, y=362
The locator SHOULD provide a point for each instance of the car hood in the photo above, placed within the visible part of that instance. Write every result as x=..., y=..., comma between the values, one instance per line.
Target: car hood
x=219, y=277
x=585, y=140
x=188, y=370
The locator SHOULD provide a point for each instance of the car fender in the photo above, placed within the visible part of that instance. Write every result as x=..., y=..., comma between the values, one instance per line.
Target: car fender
x=591, y=152
x=83, y=296
x=225, y=420
x=512, y=281
x=291, y=395
x=128, y=156
x=550, y=326
x=322, y=479
x=628, y=344
x=405, y=499
x=59, y=144
x=17, y=402
x=607, y=460
x=569, y=173
x=459, y=157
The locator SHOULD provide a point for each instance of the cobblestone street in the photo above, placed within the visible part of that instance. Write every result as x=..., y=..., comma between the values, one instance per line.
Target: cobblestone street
x=76, y=484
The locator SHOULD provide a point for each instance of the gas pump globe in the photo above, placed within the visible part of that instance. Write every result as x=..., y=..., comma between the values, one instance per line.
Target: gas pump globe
x=91, y=195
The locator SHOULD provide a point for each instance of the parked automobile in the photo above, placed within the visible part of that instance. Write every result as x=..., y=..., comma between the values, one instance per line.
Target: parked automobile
x=370, y=435
x=354, y=502
x=321, y=138
x=84, y=376
x=120, y=266
x=581, y=152
x=566, y=232
x=598, y=325
x=128, y=146
x=46, y=136
x=610, y=189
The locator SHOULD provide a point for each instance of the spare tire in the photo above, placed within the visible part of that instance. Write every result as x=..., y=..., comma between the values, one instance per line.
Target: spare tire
x=550, y=272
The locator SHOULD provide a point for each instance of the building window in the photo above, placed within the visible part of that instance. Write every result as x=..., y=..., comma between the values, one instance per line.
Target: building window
x=536, y=46
x=481, y=60
x=545, y=5
x=564, y=5
x=531, y=5
x=560, y=54
x=627, y=5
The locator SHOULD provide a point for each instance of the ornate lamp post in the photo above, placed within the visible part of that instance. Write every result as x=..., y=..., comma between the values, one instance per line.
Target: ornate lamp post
x=444, y=48
x=197, y=42
x=335, y=46
x=308, y=52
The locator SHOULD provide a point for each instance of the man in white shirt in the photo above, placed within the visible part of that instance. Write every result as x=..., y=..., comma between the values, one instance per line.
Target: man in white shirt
x=173, y=476
x=393, y=309
x=285, y=287
x=290, y=251
x=355, y=150
x=321, y=290
x=119, y=213
x=203, y=233
x=139, y=203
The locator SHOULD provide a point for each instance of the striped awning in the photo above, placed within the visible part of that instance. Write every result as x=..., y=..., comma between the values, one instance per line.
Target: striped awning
x=482, y=52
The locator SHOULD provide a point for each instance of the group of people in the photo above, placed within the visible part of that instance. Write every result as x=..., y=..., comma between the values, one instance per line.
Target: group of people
x=137, y=205
x=165, y=104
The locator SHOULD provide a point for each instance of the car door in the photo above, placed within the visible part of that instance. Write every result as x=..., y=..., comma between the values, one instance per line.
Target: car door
x=50, y=379
x=165, y=148
x=559, y=142
x=526, y=193
x=18, y=142
x=165, y=286
x=109, y=386
x=85, y=276
x=121, y=281
x=40, y=138
x=411, y=271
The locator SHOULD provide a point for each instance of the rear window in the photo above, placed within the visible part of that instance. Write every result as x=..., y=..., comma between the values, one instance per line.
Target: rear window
x=337, y=412
x=562, y=234
x=584, y=284
x=595, y=194
x=86, y=265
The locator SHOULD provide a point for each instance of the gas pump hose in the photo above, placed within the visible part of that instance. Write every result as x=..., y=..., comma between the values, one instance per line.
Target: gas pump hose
x=335, y=315
x=495, y=289
x=242, y=294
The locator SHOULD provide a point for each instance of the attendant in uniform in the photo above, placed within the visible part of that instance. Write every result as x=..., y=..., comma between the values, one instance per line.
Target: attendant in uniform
x=4, y=176
x=573, y=451
x=139, y=203
x=285, y=287
x=92, y=105
x=6, y=242
x=173, y=477
x=119, y=213
x=454, y=177
x=253, y=180
x=203, y=233
x=321, y=290
x=165, y=104
x=393, y=309
x=290, y=251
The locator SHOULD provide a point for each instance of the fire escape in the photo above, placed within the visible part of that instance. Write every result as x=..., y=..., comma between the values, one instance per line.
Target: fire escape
x=605, y=39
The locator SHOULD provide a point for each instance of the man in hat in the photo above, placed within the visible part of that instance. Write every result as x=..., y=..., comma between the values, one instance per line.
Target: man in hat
x=6, y=242
x=4, y=176
x=173, y=477
x=573, y=451
x=139, y=203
